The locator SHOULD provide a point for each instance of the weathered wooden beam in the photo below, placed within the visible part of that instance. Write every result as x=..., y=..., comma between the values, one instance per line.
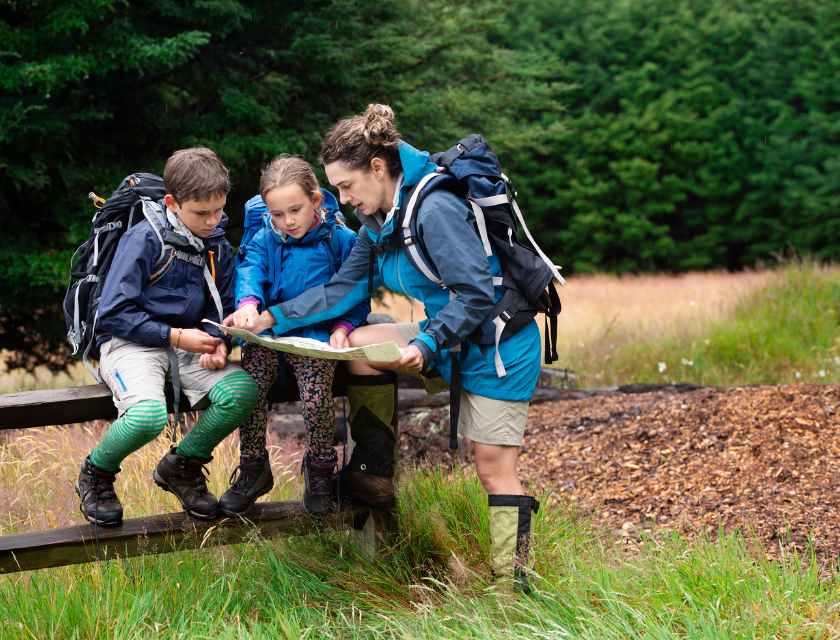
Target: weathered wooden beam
x=175, y=532
x=49, y=407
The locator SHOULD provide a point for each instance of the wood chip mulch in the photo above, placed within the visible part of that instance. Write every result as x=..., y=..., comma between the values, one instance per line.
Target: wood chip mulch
x=764, y=459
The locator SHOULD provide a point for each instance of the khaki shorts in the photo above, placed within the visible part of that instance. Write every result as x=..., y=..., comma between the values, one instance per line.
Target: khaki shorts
x=483, y=419
x=135, y=372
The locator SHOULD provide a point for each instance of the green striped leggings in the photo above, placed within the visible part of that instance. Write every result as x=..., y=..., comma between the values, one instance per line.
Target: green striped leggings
x=231, y=401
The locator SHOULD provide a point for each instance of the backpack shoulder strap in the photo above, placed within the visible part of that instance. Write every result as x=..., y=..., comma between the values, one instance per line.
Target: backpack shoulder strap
x=335, y=246
x=409, y=236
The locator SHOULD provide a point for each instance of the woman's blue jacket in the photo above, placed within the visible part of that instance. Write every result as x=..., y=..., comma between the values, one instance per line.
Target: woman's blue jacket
x=278, y=268
x=447, y=227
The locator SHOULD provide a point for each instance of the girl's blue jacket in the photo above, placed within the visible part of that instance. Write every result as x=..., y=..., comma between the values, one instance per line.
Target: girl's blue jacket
x=447, y=226
x=277, y=269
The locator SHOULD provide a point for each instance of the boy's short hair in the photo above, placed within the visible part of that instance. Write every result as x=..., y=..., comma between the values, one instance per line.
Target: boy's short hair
x=195, y=174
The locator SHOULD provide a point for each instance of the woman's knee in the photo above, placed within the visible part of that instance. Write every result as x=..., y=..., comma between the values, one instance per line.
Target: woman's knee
x=496, y=467
x=375, y=334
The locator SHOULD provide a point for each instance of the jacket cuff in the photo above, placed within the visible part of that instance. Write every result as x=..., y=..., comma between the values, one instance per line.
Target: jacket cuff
x=343, y=324
x=165, y=333
x=279, y=319
x=248, y=300
x=422, y=342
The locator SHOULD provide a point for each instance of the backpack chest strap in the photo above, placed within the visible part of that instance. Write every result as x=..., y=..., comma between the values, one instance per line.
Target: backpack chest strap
x=198, y=261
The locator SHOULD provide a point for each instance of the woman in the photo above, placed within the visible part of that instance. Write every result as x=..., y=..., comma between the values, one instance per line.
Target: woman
x=373, y=169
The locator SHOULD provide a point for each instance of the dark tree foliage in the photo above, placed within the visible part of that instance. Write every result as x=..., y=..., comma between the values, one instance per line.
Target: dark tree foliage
x=95, y=89
x=644, y=135
x=697, y=134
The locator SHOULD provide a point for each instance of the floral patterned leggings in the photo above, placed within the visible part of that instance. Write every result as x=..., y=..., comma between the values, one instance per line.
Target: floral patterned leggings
x=314, y=378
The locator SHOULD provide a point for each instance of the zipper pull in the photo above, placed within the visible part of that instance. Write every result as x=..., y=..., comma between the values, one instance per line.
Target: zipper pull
x=510, y=236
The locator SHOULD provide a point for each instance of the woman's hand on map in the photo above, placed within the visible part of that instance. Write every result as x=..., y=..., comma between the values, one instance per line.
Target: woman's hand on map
x=338, y=339
x=411, y=362
x=261, y=322
x=244, y=318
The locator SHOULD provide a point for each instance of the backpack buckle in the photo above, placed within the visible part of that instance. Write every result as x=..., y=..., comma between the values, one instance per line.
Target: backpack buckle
x=506, y=315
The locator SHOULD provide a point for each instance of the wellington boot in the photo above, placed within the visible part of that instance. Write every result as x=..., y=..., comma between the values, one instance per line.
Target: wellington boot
x=372, y=421
x=372, y=491
x=511, y=528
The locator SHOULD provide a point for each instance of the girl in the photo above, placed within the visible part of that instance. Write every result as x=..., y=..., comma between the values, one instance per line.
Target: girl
x=301, y=245
x=374, y=170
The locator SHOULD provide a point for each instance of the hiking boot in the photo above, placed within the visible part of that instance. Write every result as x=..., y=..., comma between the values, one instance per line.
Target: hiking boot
x=367, y=489
x=317, y=496
x=185, y=478
x=100, y=503
x=254, y=480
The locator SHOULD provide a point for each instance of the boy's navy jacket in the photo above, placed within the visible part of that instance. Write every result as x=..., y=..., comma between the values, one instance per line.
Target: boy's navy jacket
x=299, y=264
x=447, y=227
x=144, y=313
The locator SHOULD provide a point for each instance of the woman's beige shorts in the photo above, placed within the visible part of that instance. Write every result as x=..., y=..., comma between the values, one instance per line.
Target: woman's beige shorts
x=483, y=419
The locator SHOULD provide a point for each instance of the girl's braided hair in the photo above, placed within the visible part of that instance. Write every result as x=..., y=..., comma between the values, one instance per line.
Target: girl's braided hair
x=357, y=140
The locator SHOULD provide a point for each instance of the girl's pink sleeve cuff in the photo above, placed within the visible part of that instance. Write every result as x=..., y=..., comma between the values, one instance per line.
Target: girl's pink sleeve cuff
x=344, y=325
x=249, y=300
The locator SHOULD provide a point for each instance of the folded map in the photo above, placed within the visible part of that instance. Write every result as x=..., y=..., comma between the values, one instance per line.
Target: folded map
x=385, y=352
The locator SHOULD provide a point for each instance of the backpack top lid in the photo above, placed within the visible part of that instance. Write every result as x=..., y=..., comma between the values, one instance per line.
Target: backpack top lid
x=475, y=165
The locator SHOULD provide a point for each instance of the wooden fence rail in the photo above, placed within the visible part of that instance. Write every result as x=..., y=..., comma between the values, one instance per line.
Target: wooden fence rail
x=178, y=532
x=168, y=532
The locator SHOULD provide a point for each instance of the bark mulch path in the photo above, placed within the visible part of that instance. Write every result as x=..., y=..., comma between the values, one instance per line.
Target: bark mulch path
x=765, y=458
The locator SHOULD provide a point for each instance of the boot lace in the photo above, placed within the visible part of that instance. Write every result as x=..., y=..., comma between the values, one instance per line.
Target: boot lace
x=195, y=472
x=103, y=488
x=247, y=477
x=319, y=482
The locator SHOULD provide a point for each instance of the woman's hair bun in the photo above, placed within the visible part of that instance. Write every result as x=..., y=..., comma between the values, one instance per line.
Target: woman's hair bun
x=379, y=128
x=356, y=140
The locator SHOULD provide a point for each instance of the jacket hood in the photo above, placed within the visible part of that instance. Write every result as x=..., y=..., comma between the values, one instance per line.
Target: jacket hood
x=328, y=221
x=415, y=164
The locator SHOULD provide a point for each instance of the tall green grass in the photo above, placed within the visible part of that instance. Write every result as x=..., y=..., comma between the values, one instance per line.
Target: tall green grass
x=432, y=582
x=785, y=332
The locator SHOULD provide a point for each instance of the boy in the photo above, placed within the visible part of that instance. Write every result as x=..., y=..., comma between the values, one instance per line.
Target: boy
x=150, y=327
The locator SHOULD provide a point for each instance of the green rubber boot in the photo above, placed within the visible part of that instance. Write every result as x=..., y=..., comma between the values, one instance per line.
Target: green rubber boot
x=511, y=531
x=370, y=470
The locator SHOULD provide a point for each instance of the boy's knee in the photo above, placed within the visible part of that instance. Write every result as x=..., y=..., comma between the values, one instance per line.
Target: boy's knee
x=147, y=418
x=237, y=390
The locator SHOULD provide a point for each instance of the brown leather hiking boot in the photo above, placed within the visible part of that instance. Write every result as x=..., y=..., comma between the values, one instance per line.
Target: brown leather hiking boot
x=185, y=478
x=371, y=491
x=99, y=501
